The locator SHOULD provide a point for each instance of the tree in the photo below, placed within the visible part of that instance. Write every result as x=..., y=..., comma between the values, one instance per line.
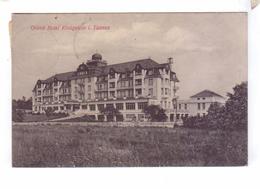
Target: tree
x=236, y=107
x=216, y=115
x=110, y=112
x=49, y=111
x=155, y=113
x=17, y=114
x=233, y=115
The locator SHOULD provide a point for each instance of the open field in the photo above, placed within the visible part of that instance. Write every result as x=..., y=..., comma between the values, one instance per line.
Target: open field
x=76, y=146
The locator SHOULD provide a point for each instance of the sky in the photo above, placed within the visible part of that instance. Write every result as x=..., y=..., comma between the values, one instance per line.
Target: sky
x=209, y=50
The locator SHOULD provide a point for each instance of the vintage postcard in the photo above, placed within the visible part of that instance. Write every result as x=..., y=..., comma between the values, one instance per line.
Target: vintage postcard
x=129, y=89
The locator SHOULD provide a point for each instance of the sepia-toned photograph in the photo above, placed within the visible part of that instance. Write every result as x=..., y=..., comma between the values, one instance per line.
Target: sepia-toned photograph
x=129, y=89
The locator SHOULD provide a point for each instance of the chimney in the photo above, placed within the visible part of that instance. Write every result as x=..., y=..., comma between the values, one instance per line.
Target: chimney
x=170, y=62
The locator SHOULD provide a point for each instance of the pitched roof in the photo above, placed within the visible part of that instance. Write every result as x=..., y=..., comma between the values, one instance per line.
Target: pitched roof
x=60, y=77
x=104, y=70
x=123, y=67
x=206, y=93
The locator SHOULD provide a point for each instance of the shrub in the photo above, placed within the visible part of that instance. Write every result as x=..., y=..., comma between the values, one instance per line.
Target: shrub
x=155, y=113
x=233, y=115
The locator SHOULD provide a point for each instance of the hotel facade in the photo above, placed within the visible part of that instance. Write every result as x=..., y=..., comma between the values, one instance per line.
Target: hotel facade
x=128, y=86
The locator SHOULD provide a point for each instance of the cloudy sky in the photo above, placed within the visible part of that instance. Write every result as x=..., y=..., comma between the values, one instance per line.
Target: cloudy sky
x=209, y=49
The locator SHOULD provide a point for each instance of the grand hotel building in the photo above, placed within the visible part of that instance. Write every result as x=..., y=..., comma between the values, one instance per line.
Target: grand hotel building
x=128, y=86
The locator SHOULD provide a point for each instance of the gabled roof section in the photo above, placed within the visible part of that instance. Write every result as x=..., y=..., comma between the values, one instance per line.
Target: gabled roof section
x=60, y=77
x=206, y=93
x=105, y=70
x=130, y=66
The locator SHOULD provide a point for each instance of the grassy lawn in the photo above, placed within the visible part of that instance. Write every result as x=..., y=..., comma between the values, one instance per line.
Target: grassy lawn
x=69, y=146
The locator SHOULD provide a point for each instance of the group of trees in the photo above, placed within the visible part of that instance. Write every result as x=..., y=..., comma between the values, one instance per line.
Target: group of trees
x=152, y=112
x=19, y=107
x=233, y=115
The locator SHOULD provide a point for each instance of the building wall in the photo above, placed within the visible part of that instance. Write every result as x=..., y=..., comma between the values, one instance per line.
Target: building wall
x=83, y=92
x=198, y=106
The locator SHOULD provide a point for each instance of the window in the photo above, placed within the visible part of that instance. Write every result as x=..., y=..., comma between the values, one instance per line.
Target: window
x=150, y=72
x=203, y=106
x=138, y=82
x=130, y=116
x=89, y=96
x=89, y=87
x=112, y=93
x=123, y=75
x=110, y=105
x=198, y=106
x=185, y=106
x=129, y=74
x=150, y=81
x=142, y=105
x=138, y=71
x=138, y=92
x=92, y=107
x=84, y=107
x=203, y=98
x=130, y=83
x=119, y=106
x=100, y=86
x=198, y=98
x=112, y=85
x=162, y=91
x=122, y=83
x=130, y=93
x=100, y=106
x=130, y=106
x=150, y=92
x=179, y=106
x=166, y=91
x=101, y=118
x=177, y=116
x=112, y=75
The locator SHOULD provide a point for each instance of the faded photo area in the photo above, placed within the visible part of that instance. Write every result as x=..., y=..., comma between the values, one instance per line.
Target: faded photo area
x=129, y=89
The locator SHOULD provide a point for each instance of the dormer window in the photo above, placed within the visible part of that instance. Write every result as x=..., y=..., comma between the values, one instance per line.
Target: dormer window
x=138, y=70
x=55, y=82
x=129, y=74
x=123, y=75
x=150, y=72
x=112, y=74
